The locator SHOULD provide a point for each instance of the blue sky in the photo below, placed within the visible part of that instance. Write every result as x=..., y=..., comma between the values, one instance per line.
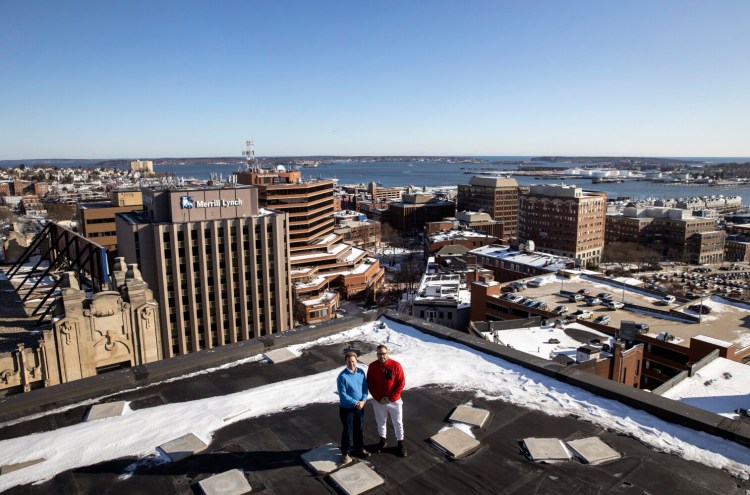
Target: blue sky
x=107, y=79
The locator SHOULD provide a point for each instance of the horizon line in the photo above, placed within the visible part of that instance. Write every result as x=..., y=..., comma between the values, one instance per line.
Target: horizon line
x=233, y=157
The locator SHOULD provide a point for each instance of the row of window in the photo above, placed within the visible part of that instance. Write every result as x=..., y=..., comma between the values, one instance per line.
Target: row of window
x=433, y=315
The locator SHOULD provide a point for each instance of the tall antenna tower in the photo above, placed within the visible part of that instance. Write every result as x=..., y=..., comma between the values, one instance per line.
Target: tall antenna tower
x=250, y=164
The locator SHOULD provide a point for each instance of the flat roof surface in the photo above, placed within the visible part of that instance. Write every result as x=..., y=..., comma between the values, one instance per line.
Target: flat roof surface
x=728, y=321
x=550, y=262
x=269, y=417
x=722, y=386
x=547, y=342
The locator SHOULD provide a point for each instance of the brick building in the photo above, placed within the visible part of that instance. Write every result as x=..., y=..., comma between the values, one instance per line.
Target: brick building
x=496, y=196
x=673, y=232
x=409, y=215
x=565, y=221
x=622, y=364
x=323, y=267
x=737, y=247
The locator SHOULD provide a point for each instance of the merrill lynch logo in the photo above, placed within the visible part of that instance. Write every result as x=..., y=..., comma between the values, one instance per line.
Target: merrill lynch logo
x=187, y=202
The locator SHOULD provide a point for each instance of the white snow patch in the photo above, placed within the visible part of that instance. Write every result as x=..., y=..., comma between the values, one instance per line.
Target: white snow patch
x=722, y=387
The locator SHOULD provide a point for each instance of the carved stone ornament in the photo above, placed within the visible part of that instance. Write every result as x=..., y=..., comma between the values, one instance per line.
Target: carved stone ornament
x=5, y=375
x=65, y=329
x=105, y=312
x=146, y=316
x=109, y=343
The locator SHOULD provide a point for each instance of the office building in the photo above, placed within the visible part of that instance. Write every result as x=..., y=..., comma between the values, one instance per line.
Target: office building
x=96, y=220
x=410, y=215
x=323, y=268
x=672, y=232
x=142, y=166
x=496, y=196
x=737, y=246
x=218, y=262
x=563, y=220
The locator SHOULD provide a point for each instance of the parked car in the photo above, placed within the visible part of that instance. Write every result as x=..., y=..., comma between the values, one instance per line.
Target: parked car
x=537, y=282
x=631, y=326
x=613, y=304
x=641, y=327
x=575, y=297
x=602, y=320
x=700, y=309
x=584, y=292
x=667, y=300
x=593, y=301
x=560, y=310
x=583, y=314
x=604, y=296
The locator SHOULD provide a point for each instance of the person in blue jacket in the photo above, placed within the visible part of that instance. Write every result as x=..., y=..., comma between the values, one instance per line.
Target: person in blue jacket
x=352, y=388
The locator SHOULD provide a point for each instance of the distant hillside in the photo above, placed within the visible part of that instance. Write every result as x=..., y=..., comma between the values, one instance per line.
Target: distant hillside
x=618, y=160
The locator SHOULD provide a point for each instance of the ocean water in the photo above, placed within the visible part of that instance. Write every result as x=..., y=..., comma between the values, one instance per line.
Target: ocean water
x=436, y=174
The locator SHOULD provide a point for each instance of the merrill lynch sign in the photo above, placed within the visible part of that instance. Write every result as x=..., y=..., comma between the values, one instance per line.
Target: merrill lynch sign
x=187, y=202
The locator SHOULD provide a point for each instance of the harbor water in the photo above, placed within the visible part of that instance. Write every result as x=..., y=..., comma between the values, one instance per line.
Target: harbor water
x=438, y=173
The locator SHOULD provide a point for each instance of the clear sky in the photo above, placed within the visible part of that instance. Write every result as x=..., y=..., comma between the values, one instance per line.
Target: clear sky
x=129, y=79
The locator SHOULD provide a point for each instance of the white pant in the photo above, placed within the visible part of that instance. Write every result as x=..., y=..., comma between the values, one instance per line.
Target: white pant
x=381, y=416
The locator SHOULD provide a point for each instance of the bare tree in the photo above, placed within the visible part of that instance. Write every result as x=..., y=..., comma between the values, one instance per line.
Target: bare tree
x=389, y=236
x=60, y=211
x=7, y=215
x=621, y=253
x=409, y=275
x=627, y=254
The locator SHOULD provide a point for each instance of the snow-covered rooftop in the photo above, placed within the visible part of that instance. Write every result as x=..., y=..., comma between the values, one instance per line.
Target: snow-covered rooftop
x=537, y=259
x=547, y=341
x=336, y=249
x=456, y=234
x=428, y=361
x=325, y=297
x=722, y=386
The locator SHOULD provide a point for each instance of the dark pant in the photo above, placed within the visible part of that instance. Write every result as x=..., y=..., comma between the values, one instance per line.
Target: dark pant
x=351, y=420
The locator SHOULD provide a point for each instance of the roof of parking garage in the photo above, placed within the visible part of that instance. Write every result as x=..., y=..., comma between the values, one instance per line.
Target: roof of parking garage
x=728, y=321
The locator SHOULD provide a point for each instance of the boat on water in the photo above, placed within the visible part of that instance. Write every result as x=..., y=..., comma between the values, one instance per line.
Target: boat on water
x=500, y=174
x=607, y=180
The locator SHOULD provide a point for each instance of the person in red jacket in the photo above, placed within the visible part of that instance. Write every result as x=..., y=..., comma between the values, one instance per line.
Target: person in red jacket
x=385, y=381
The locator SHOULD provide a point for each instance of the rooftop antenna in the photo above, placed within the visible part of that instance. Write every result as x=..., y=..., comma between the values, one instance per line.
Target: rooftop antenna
x=168, y=180
x=250, y=163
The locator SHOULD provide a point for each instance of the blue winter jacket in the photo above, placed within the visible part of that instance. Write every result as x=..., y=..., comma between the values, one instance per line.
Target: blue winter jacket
x=352, y=387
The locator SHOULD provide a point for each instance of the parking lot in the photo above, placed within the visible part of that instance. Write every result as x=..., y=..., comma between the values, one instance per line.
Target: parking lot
x=727, y=321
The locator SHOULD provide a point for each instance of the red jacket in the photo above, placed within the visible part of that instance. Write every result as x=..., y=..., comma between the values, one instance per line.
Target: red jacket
x=385, y=380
